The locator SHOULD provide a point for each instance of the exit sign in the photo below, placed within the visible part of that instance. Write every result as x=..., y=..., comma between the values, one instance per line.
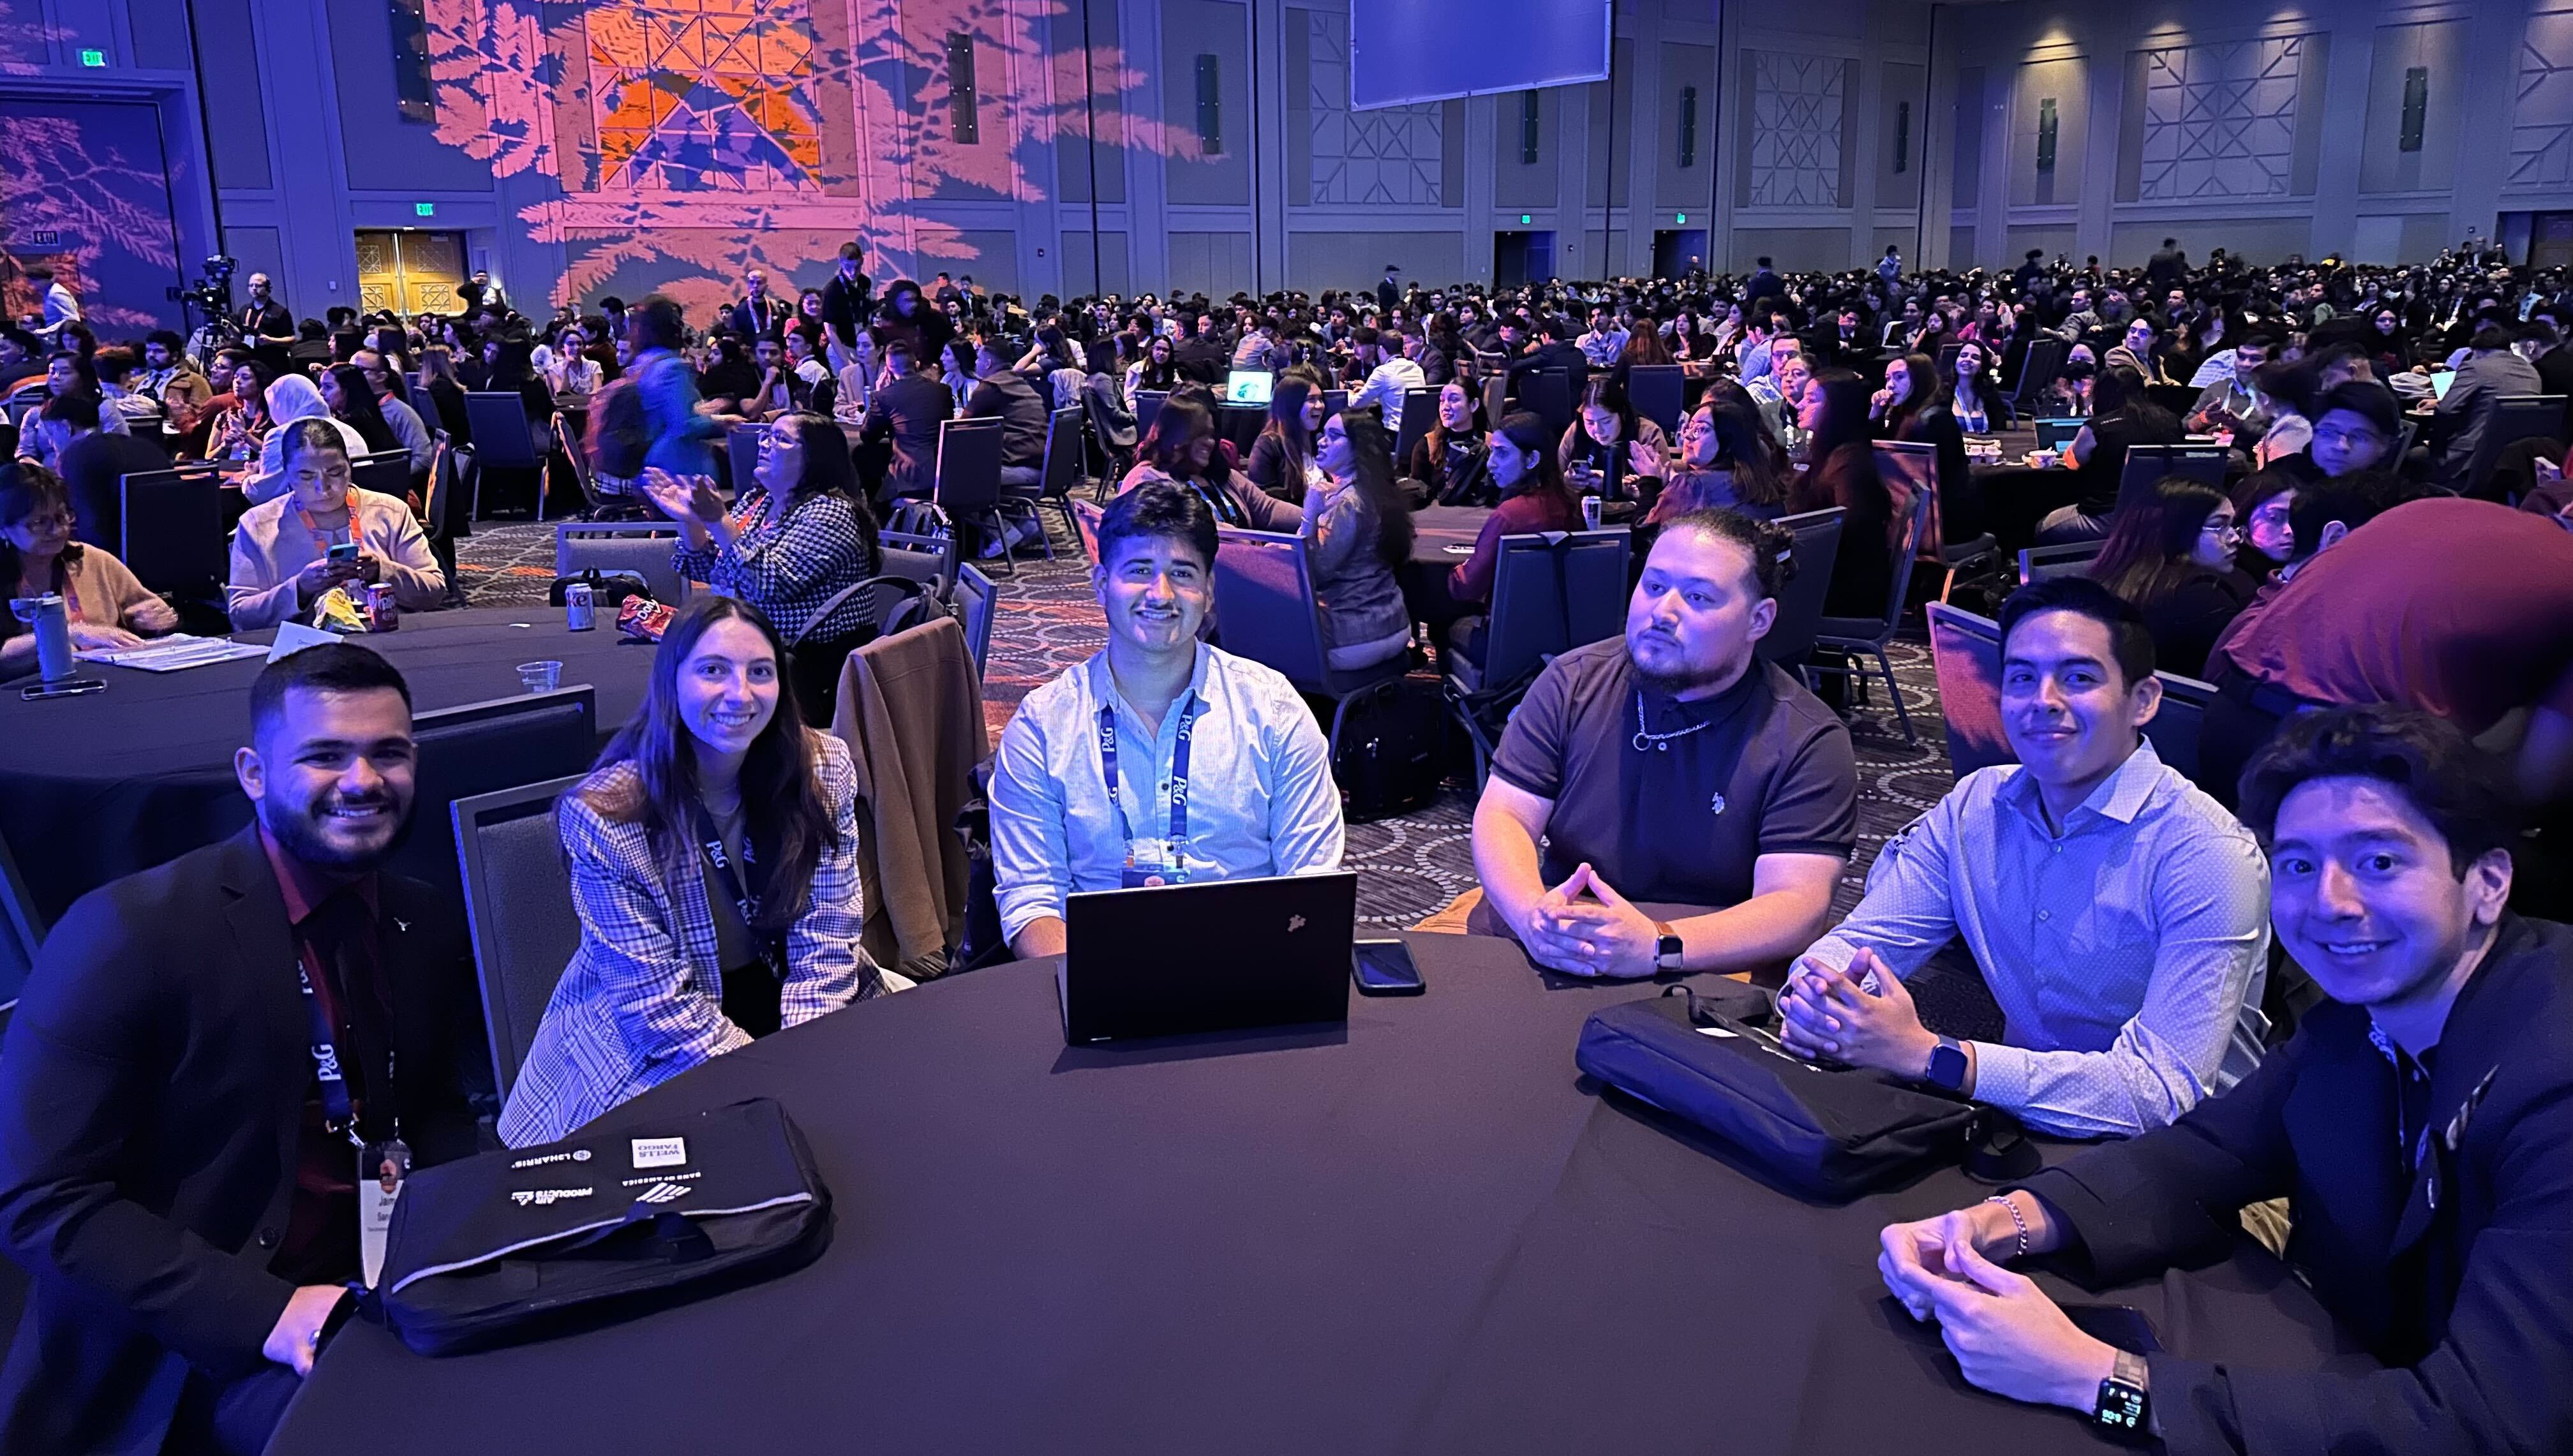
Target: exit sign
x=425, y=210
x=93, y=58
x=1526, y=219
x=1679, y=217
x=44, y=238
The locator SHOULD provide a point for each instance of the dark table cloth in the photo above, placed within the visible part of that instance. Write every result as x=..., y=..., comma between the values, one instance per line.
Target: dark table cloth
x=96, y=787
x=1423, y=578
x=1423, y=1233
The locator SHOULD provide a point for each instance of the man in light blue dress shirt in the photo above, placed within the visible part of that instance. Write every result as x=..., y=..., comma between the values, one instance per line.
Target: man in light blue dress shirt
x=1160, y=758
x=2118, y=914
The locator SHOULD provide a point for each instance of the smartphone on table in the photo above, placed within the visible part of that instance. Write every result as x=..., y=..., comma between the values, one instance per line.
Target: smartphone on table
x=1383, y=968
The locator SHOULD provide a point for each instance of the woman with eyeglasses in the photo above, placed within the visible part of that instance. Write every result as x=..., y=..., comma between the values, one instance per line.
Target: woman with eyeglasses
x=106, y=605
x=2170, y=553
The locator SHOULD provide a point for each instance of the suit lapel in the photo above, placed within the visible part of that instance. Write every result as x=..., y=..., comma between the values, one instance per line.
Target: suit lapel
x=264, y=950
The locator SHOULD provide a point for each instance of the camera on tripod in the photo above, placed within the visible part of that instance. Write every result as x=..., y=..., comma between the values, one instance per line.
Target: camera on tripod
x=212, y=295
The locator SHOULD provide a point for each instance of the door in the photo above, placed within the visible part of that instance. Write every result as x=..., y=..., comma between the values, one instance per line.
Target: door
x=1509, y=259
x=1677, y=250
x=408, y=270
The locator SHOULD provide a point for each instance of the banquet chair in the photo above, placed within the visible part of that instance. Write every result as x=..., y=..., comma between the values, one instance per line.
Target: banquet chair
x=1066, y=449
x=978, y=596
x=1861, y=637
x=927, y=559
x=519, y=911
x=1966, y=659
x=171, y=536
x=1147, y=408
x=1085, y=524
x=2177, y=724
x=1420, y=413
x=1547, y=394
x=385, y=472
x=2511, y=418
x=1551, y=593
x=892, y=602
x=481, y=748
x=741, y=454
x=1800, y=601
x=2071, y=558
x=640, y=546
x=1657, y=391
x=22, y=930
x=968, y=480
x=2149, y=465
x=503, y=442
x=1265, y=611
x=2037, y=369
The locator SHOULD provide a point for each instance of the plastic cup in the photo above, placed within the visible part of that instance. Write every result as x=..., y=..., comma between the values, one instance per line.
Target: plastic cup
x=541, y=677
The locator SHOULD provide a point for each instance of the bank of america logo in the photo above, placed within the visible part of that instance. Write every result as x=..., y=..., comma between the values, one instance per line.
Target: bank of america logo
x=661, y=1194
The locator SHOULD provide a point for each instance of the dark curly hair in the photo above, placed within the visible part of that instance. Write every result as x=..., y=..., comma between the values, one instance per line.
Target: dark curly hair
x=2465, y=793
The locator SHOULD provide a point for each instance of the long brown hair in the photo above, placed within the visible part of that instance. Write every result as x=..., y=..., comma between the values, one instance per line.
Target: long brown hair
x=781, y=794
x=1286, y=422
x=2148, y=554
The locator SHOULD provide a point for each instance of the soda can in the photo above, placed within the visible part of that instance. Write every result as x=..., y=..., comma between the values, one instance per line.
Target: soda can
x=1590, y=512
x=580, y=606
x=381, y=614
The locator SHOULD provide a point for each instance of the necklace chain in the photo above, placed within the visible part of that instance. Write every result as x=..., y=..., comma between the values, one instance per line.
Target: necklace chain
x=1659, y=742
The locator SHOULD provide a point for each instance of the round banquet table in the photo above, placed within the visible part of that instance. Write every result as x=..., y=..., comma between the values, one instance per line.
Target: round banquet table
x=1424, y=1232
x=1423, y=578
x=2015, y=496
x=99, y=786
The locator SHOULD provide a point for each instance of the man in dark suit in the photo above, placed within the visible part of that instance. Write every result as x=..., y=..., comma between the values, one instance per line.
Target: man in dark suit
x=2420, y=1126
x=848, y=300
x=1555, y=351
x=907, y=411
x=1389, y=291
x=94, y=466
x=174, y=1173
x=2554, y=364
x=1765, y=285
x=760, y=312
x=1203, y=356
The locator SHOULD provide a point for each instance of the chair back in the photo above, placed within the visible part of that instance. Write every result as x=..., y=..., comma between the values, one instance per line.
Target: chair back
x=1063, y=449
x=978, y=598
x=1264, y=605
x=1855, y=632
x=481, y=748
x=1497, y=397
x=2072, y=558
x=1147, y=408
x=1909, y=468
x=741, y=453
x=929, y=560
x=1966, y=658
x=1595, y=584
x=1084, y=524
x=447, y=513
x=385, y=472
x=1334, y=402
x=567, y=440
x=2037, y=369
x=22, y=930
x=1800, y=601
x=2178, y=722
x=518, y=910
x=2514, y=417
x=968, y=468
x=640, y=546
x=2057, y=434
x=1549, y=393
x=1659, y=393
x=1420, y=413
x=1948, y=358
x=171, y=537
x=2148, y=464
x=502, y=440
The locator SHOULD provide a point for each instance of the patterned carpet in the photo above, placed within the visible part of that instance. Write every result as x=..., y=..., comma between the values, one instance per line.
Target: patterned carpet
x=1408, y=868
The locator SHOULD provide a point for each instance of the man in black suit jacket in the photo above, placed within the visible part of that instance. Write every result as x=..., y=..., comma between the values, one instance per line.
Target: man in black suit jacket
x=908, y=411
x=760, y=312
x=2420, y=1126
x=848, y=300
x=170, y=1173
x=1553, y=351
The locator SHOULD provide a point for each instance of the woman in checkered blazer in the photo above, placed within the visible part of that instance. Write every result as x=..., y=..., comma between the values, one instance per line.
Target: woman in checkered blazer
x=713, y=863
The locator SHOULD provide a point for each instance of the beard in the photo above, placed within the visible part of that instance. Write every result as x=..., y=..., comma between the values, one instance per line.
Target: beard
x=296, y=833
x=1674, y=677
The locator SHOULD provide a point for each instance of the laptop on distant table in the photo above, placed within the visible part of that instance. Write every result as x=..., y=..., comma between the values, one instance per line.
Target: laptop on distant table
x=1213, y=956
x=1250, y=386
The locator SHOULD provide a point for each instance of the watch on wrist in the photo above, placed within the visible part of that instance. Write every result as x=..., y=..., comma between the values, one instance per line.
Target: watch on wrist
x=1667, y=949
x=2124, y=1406
x=1947, y=1066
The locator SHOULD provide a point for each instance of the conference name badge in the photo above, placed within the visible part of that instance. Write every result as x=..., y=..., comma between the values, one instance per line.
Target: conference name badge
x=383, y=1167
x=1154, y=861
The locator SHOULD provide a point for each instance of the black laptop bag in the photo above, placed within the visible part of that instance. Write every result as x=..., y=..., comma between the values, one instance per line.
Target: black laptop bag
x=601, y=1227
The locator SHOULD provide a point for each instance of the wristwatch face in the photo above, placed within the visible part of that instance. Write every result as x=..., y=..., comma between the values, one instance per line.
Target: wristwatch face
x=2120, y=1407
x=1948, y=1067
x=1666, y=952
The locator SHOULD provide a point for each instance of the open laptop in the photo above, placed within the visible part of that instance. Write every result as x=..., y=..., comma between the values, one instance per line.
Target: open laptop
x=2055, y=434
x=1214, y=955
x=1249, y=387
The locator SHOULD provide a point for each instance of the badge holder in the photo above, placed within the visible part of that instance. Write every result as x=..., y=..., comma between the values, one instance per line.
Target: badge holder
x=382, y=1169
x=1153, y=863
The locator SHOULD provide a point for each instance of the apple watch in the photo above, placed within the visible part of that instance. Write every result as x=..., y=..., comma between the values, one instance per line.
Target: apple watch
x=1667, y=951
x=2124, y=1407
x=1948, y=1066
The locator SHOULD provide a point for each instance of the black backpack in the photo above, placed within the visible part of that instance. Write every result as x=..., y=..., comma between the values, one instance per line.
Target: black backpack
x=1388, y=749
x=620, y=437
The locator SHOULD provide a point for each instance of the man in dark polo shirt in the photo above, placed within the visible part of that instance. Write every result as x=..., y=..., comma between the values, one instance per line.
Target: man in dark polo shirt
x=1671, y=766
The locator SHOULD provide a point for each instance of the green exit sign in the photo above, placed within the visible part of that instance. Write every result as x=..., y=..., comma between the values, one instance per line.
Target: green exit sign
x=1679, y=217
x=1524, y=219
x=93, y=58
x=425, y=210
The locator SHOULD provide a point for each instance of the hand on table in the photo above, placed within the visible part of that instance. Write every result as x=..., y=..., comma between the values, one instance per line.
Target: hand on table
x=153, y=615
x=1603, y=937
x=2011, y=1339
x=297, y=1335
x=88, y=636
x=1827, y=1012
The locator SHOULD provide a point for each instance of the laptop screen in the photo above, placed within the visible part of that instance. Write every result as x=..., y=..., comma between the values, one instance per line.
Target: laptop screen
x=1249, y=387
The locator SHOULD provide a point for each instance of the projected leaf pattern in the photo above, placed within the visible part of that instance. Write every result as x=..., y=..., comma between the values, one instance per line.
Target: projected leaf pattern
x=87, y=191
x=689, y=140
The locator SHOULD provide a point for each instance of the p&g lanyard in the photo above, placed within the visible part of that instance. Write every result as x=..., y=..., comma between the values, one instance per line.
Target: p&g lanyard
x=1179, y=771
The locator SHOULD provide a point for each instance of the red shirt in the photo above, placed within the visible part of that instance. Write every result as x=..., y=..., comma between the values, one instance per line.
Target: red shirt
x=1523, y=514
x=2462, y=607
x=335, y=921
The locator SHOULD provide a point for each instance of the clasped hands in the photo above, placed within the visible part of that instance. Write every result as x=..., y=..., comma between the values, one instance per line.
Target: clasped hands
x=1828, y=1013
x=2008, y=1336
x=688, y=499
x=1603, y=936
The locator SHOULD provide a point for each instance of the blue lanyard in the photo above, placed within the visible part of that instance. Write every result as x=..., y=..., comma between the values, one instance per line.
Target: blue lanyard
x=337, y=1112
x=1179, y=771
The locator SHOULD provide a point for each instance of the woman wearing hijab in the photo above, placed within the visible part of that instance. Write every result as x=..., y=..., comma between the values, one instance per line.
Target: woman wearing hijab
x=291, y=398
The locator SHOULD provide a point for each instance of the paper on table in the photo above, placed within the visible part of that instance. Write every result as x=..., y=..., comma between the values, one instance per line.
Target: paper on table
x=294, y=637
x=172, y=653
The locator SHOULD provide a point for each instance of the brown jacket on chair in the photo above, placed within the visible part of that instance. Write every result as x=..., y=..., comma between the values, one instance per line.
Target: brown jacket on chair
x=911, y=711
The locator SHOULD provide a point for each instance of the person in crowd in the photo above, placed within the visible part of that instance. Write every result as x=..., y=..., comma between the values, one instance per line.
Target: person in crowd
x=2420, y=1126
x=444, y=394
x=291, y=398
x=2261, y=503
x=512, y=371
x=730, y=382
x=60, y=306
x=1387, y=374
x=1358, y=532
x=266, y=324
x=312, y=348
x=2140, y=352
x=715, y=867
x=854, y=386
x=172, y=1169
x=1002, y=393
x=2236, y=402
x=573, y=371
x=118, y=370
x=1088, y=788
x=782, y=392
x=1842, y=471
x=1916, y=410
x=1520, y=458
x=2459, y=418
x=2122, y=416
x=106, y=606
x=848, y=297
x=673, y=420
x=169, y=380
x=352, y=402
x=1158, y=369
x=93, y=465
x=383, y=382
x=1447, y=463
x=22, y=357
x=1282, y=459
x=799, y=533
x=1671, y=765
x=1608, y=444
x=2355, y=427
x=758, y=313
x=1977, y=400
x=907, y=411
x=905, y=316
x=2170, y=555
x=239, y=431
x=1181, y=447
x=1727, y=463
x=2117, y=913
x=956, y=369
x=281, y=553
